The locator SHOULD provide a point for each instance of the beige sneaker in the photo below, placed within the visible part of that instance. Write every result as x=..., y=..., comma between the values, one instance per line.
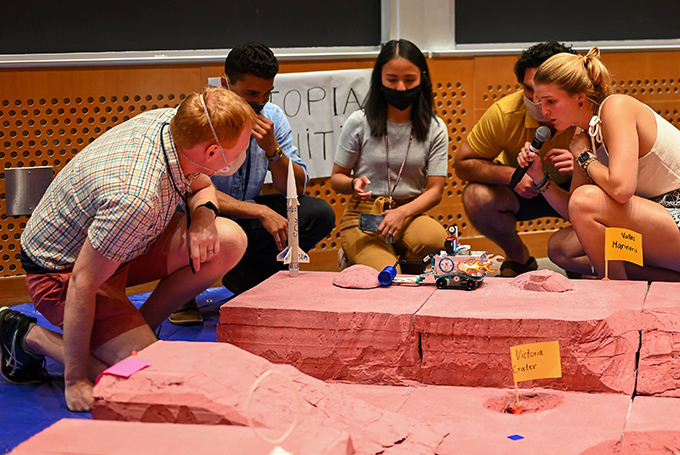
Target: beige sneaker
x=187, y=315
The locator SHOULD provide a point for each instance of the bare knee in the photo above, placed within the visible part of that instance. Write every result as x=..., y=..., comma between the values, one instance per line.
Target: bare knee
x=480, y=199
x=233, y=240
x=476, y=197
x=584, y=203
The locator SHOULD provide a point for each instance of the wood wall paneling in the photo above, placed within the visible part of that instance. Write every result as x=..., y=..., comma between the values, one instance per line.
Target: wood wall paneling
x=48, y=114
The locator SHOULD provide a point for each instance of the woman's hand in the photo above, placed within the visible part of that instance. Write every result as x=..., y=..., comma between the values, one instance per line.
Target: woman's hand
x=343, y=182
x=534, y=164
x=393, y=222
x=359, y=187
x=562, y=159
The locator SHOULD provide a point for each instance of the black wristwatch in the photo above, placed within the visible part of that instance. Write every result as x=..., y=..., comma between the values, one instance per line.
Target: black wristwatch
x=278, y=153
x=211, y=206
x=584, y=156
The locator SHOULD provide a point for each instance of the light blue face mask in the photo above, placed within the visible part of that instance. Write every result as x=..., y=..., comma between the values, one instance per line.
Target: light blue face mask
x=535, y=110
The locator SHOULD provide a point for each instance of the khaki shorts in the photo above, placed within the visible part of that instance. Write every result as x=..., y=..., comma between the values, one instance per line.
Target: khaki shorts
x=114, y=314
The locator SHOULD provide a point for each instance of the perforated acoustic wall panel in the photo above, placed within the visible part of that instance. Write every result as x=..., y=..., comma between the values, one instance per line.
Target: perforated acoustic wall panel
x=453, y=81
x=48, y=115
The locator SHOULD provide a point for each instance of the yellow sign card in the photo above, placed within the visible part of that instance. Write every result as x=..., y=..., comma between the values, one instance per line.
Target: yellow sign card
x=622, y=245
x=536, y=361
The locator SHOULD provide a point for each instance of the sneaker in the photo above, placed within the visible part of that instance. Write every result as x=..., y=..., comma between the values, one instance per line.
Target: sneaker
x=187, y=315
x=18, y=366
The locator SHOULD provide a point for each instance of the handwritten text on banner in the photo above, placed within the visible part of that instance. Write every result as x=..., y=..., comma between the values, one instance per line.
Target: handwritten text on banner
x=317, y=104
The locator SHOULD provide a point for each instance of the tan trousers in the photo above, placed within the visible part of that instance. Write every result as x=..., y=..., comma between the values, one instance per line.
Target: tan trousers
x=419, y=236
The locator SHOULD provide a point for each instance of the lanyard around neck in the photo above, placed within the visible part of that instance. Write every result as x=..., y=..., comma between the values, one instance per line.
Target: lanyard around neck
x=182, y=196
x=390, y=192
x=245, y=180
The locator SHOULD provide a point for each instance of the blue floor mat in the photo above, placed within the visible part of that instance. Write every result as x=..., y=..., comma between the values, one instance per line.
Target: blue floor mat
x=28, y=409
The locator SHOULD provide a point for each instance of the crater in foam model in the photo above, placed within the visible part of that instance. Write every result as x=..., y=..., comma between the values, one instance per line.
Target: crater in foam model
x=530, y=402
x=542, y=281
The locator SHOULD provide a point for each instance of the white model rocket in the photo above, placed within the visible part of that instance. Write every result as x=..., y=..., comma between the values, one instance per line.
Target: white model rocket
x=292, y=254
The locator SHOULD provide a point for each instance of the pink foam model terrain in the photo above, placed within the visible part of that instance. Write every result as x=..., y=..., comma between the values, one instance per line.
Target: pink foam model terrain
x=459, y=337
x=452, y=350
x=543, y=281
x=209, y=383
x=357, y=335
x=106, y=437
x=480, y=422
x=357, y=276
x=659, y=371
x=179, y=388
x=652, y=429
x=466, y=337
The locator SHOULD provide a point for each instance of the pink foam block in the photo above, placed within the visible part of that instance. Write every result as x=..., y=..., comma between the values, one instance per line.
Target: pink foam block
x=554, y=422
x=466, y=336
x=659, y=370
x=652, y=429
x=364, y=335
x=208, y=383
x=478, y=421
x=104, y=437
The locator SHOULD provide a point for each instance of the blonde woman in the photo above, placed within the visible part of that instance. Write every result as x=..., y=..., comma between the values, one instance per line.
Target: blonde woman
x=628, y=172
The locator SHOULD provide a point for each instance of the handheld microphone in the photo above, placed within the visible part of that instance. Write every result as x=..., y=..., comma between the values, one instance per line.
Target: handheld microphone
x=542, y=135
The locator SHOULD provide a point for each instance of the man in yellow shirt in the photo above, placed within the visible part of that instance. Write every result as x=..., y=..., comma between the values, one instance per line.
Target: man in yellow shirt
x=488, y=158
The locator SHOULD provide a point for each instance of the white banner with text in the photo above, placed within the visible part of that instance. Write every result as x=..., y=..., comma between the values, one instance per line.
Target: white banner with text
x=317, y=105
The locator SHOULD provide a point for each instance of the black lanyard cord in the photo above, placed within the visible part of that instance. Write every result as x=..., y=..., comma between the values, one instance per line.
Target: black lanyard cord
x=183, y=196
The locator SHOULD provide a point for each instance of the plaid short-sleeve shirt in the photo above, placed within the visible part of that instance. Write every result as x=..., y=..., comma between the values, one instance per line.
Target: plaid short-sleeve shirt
x=118, y=192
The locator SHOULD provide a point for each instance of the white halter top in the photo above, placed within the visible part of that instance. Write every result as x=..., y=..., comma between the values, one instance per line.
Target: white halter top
x=658, y=170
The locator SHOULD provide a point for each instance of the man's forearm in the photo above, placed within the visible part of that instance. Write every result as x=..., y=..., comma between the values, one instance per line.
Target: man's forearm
x=79, y=310
x=230, y=206
x=429, y=199
x=484, y=171
x=279, y=170
x=207, y=193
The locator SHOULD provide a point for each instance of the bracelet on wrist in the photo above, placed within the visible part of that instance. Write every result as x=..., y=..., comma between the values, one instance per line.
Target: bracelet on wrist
x=352, y=184
x=586, y=165
x=545, y=187
x=546, y=179
x=210, y=205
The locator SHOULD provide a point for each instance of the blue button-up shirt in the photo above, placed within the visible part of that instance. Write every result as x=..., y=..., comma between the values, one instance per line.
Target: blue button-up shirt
x=247, y=182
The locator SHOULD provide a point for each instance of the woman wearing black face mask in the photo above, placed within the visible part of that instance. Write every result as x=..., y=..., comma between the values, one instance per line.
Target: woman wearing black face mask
x=392, y=157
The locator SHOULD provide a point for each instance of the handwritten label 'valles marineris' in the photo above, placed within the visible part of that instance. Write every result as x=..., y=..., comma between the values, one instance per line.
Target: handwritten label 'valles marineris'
x=623, y=245
x=627, y=242
x=536, y=361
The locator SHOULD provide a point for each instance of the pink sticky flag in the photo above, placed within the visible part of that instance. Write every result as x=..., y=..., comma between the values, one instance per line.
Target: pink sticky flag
x=125, y=368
